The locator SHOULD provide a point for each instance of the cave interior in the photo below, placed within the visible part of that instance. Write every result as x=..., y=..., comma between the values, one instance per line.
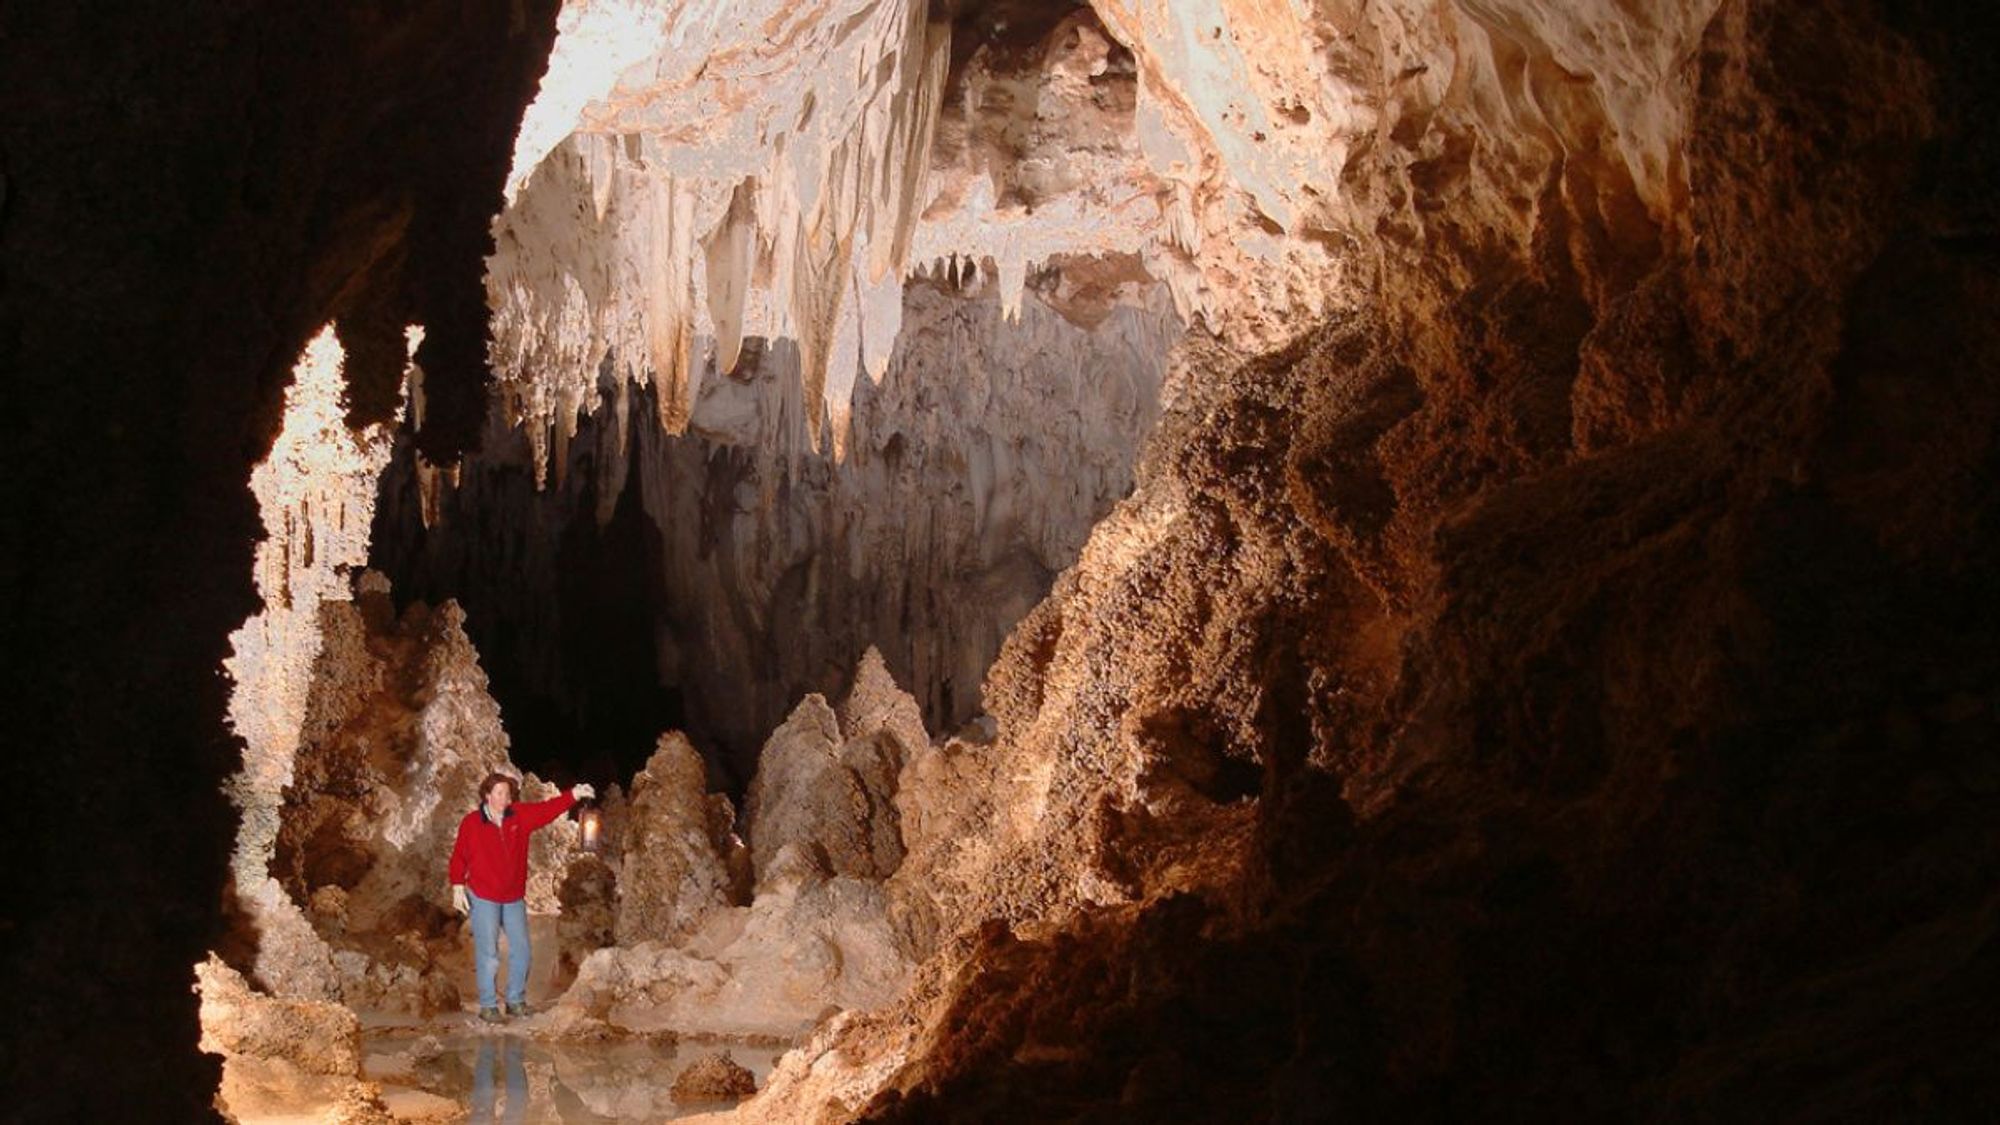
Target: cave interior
x=1126, y=560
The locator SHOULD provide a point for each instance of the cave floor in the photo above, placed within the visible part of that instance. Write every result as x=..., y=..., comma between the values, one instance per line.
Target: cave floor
x=457, y=1069
x=503, y=1075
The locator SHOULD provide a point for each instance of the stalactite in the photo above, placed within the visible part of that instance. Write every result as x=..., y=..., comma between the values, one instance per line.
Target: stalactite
x=819, y=207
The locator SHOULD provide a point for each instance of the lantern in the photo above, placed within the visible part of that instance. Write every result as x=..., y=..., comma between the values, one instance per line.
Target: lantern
x=591, y=819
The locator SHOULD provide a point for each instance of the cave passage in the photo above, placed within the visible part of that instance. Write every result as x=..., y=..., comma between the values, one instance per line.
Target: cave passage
x=571, y=658
x=707, y=581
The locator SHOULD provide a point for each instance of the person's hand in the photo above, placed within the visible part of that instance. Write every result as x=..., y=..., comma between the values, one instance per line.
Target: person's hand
x=583, y=791
x=459, y=898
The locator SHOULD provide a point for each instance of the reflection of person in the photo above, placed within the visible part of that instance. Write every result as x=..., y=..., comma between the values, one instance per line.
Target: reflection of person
x=489, y=881
x=515, y=1108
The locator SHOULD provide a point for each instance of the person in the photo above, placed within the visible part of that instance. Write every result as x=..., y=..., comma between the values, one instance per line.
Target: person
x=489, y=882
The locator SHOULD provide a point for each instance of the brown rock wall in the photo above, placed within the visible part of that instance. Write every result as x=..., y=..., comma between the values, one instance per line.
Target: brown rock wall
x=1572, y=663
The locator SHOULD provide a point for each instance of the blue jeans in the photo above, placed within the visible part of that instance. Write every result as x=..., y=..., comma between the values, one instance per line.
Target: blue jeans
x=488, y=919
x=486, y=1105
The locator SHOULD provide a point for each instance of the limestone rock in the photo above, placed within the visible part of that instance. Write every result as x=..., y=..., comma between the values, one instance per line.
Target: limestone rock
x=950, y=800
x=550, y=850
x=362, y=1104
x=672, y=874
x=317, y=1036
x=975, y=470
x=279, y=1055
x=829, y=797
x=875, y=702
x=316, y=496
x=819, y=164
x=713, y=1078
x=769, y=969
x=398, y=730
x=783, y=805
x=588, y=897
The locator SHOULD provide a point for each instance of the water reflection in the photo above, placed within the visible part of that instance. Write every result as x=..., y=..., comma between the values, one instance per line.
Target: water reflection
x=507, y=1078
x=513, y=1108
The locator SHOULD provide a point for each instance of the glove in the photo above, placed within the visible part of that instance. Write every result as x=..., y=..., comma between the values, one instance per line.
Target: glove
x=459, y=898
x=583, y=791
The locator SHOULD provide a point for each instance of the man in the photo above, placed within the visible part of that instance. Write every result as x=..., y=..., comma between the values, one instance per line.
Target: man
x=489, y=881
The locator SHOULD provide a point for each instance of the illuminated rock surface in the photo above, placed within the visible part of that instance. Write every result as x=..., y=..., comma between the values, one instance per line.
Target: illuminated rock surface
x=749, y=570
x=822, y=933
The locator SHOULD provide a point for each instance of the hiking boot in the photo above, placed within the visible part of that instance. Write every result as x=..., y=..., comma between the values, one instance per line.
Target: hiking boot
x=492, y=1015
x=523, y=1009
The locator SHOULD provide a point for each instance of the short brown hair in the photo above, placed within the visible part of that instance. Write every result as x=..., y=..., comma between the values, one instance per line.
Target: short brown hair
x=497, y=778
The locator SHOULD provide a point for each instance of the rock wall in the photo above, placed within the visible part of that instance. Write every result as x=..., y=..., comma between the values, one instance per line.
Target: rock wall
x=765, y=570
x=1558, y=687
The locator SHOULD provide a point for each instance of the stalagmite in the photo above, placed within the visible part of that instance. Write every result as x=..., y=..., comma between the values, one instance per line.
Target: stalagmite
x=673, y=873
x=316, y=493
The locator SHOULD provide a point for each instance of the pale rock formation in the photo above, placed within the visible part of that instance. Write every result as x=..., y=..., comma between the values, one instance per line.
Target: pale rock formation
x=807, y=943
x=316, y=494
x=317, y=1036
x=827, y=795
x=950, y=802
x=278, y=1054
x=835, y=1070
x=785, y=803
x=976, y=470
x=1298, y=529
x=876, y=703
x=673, y=873
x=822, y=931
x=757, y=174
x=1087, y=725
x=709, y=195
x=362, y=1104
x=397, y=733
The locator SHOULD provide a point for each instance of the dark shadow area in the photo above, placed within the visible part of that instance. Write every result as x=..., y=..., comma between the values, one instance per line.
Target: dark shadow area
x=187, y=193
x=570, y=650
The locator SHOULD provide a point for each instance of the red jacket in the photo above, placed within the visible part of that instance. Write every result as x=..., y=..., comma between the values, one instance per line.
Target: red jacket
x=493, y=858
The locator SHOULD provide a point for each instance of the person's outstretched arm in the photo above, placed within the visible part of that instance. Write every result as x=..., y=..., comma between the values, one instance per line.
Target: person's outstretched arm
x=535, y=814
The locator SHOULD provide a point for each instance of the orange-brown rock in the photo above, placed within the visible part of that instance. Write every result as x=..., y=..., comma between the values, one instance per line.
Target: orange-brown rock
x=713, y=1078
x=1557, y=686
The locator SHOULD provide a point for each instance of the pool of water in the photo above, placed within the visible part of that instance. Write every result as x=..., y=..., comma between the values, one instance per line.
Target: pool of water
x=498, y=1077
